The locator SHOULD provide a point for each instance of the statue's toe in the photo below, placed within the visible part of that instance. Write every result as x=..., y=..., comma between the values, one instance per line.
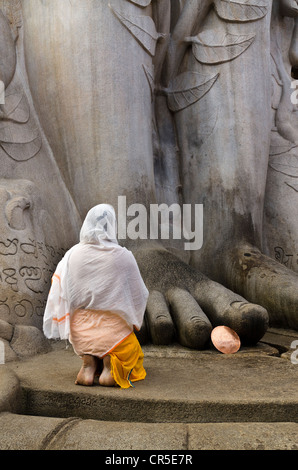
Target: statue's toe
x=193, y=326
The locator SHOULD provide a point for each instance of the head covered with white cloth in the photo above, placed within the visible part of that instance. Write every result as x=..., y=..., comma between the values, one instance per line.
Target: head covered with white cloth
x=96, y=274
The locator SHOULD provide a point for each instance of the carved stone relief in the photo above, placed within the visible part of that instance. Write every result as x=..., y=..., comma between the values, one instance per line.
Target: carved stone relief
x=281, y=213
x=30, y=244
x=163, y=101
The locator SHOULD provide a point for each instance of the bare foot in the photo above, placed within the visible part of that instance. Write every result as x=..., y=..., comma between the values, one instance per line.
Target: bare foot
x=106, y=379
x=87, y=372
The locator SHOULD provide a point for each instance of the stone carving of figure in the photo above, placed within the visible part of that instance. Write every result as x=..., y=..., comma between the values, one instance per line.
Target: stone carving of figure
x=280, y=227
x=224, y=141
x=168, y=101
x=36, y=227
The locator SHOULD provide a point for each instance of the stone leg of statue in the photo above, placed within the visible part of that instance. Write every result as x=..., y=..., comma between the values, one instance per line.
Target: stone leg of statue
x=39, y=220
x=92, y=86
x=225, y=143
x=281, y=192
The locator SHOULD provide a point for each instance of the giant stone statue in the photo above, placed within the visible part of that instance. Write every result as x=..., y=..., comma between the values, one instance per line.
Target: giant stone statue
x=162, y=101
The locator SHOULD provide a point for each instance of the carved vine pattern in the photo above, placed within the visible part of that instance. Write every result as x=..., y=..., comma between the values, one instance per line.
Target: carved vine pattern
x=211, y=49
x=19, y=138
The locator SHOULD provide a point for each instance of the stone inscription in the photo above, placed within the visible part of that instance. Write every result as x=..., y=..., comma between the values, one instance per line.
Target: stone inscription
x=25, y=274
x=284, y=258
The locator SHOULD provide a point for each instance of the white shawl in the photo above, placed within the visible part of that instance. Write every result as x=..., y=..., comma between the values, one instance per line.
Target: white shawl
x=96, y=274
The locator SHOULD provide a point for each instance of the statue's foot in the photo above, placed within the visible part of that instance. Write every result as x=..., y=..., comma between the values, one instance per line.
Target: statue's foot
x=262, y=280
x=185, y=305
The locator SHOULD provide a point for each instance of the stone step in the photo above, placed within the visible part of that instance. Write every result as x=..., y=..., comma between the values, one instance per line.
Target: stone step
x=182, y=386
x=19, y=432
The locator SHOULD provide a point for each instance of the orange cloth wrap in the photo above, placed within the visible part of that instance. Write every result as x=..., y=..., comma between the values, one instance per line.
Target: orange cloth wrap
x=127, y=362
